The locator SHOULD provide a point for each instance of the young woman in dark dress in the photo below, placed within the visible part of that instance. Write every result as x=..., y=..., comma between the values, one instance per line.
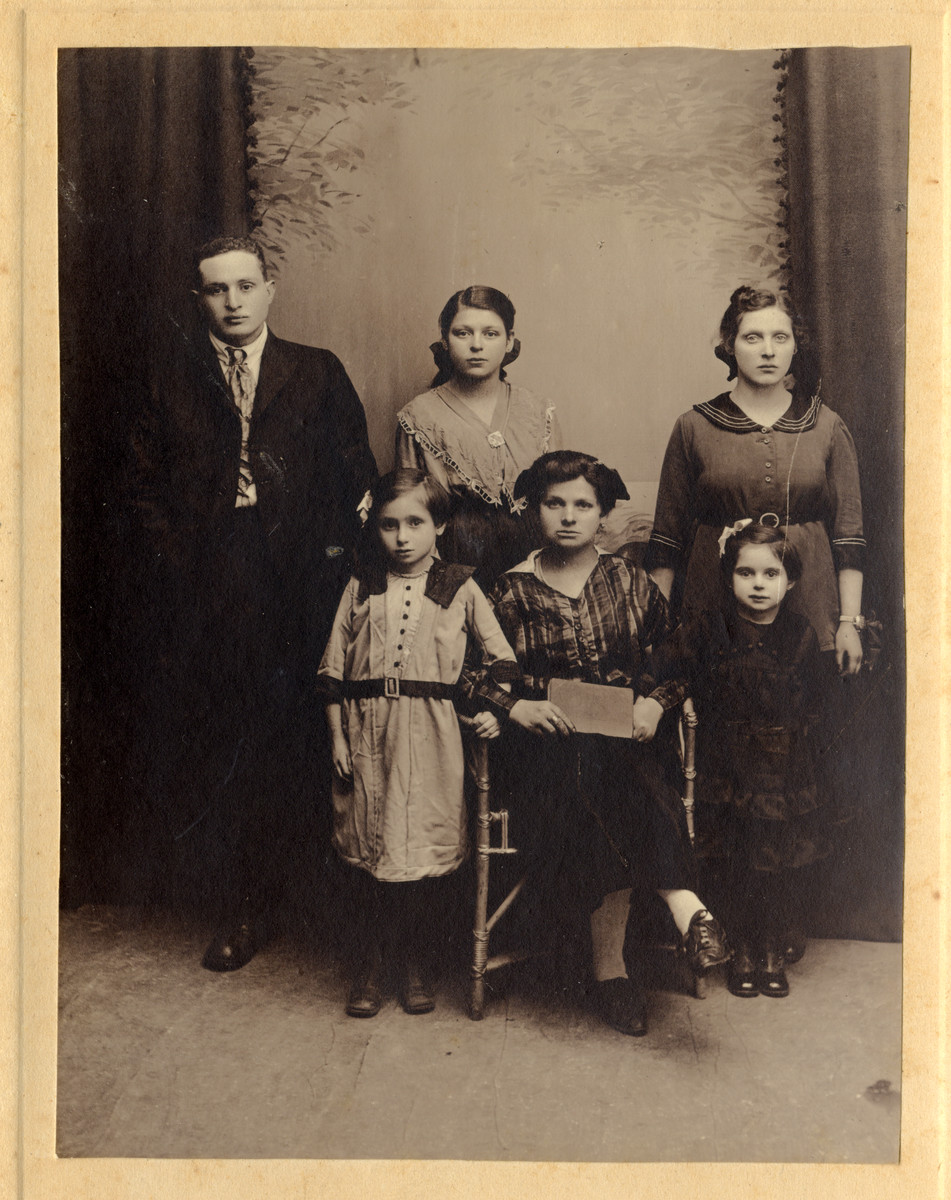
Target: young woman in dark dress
x=781, y=458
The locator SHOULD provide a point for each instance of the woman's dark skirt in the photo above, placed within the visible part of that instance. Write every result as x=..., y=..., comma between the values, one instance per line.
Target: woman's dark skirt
x=592, y=815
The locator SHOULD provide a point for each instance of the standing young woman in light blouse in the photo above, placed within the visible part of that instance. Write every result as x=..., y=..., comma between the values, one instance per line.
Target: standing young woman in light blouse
x=475, y=432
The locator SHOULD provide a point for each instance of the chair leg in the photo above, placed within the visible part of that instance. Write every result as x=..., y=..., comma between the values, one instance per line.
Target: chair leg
x=477, y=998
x=480, y=933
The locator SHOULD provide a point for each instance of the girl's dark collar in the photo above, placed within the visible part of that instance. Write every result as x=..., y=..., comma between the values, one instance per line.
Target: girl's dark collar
x=442, y=582
x=787, y=625
x=802, y=415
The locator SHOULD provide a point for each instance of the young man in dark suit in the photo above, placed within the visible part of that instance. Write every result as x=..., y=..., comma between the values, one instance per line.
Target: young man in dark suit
x=250, y=462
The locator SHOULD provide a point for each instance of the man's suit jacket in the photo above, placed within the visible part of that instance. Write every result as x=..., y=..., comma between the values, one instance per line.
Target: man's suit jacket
x=310, y=460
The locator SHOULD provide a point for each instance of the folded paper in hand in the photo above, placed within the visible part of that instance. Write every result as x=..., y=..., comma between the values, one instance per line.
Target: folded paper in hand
x=594, y=708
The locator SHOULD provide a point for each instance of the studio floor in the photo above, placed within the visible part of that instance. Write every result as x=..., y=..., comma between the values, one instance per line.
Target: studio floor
x=160, y=1058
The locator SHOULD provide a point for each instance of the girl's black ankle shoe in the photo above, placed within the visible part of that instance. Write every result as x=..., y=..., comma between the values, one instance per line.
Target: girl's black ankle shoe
x=771, y=977
x=366, y=990
x=794, y=945
x=705, y=943
x=742, y=977
x=416, y=994
x=365, y=997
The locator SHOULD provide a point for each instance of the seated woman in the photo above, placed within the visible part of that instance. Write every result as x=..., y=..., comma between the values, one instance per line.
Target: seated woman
x=474, y=432
x=605, y=810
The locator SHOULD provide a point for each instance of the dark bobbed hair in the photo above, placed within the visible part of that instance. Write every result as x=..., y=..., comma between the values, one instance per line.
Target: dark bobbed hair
x=760, y=535
x=407, y=479
x=489, y=299
x=563, y=466
x=224, y=245
x=749, y=298
x=370, y=559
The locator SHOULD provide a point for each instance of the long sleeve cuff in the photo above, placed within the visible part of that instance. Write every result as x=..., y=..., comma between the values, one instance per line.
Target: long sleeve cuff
x=479, y=687
x=500, y=702
x=669, y=694
x=476, y=697
x=848, y=553
x=662, y=552
x=329, y=690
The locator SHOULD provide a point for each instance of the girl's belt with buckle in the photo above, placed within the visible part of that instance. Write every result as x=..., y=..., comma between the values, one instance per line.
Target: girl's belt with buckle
x=392, y=687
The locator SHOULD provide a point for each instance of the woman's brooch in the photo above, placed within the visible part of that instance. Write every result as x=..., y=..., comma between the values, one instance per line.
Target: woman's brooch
x=495, y=439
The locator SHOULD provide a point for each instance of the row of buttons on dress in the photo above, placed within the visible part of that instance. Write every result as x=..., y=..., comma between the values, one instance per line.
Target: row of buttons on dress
x=405, y=617
x=766, y=442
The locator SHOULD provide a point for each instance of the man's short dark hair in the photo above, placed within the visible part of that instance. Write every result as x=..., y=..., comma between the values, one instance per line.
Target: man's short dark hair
x=224, y=245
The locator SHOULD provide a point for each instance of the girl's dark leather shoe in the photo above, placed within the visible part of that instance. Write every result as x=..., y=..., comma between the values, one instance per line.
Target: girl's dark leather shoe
x=742, y=978
x=794, y=945
x=416, y=993
x=232, y=948
x=771, y=978
x=366, y=991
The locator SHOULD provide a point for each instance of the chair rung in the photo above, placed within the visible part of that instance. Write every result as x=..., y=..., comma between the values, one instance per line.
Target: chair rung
x=504, y=906
x=506, y=959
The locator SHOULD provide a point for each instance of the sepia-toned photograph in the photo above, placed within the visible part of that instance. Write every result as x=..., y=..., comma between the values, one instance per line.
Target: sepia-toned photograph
x=482, y=603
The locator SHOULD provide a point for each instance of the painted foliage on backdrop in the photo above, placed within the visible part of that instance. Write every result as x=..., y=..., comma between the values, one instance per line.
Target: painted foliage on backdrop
x=684, y=142
x=305, y=142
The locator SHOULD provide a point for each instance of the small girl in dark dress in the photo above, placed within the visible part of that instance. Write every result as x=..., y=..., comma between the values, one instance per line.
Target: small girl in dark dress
x=754, y=668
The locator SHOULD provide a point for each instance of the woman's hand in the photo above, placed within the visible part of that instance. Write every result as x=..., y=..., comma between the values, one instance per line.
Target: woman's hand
x=541, y=717
x=340, y=756
x=848, y=649
x=647, y=715
x=485, y=725
x=848, y=644
x=664, y=578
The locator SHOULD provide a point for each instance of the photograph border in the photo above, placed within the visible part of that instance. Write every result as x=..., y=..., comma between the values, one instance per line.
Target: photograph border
x=29, y=536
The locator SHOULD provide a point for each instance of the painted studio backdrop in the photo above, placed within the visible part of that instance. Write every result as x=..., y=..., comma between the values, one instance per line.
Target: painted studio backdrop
x=618, y=196
x=614, y=195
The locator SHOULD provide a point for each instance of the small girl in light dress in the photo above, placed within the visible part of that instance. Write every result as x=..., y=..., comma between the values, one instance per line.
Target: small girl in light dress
x=391, y=676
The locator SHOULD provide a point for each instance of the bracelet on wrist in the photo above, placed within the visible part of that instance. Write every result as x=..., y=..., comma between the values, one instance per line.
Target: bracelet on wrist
x=858, y=621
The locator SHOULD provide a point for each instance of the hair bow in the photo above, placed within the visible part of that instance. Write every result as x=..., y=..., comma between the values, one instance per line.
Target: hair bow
x=730, y=530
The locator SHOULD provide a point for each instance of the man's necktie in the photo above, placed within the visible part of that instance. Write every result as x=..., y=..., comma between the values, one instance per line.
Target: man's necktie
x=241, y=382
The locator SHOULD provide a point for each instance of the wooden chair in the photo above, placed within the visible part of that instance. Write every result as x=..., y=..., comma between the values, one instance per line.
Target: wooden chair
x=486, y=817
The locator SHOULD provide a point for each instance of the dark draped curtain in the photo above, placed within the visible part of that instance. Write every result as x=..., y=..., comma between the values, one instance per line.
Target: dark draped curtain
x=847, y=134
x=151, y=163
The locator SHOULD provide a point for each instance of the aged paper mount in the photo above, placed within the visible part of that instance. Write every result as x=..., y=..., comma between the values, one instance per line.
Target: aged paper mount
x=29, y=634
